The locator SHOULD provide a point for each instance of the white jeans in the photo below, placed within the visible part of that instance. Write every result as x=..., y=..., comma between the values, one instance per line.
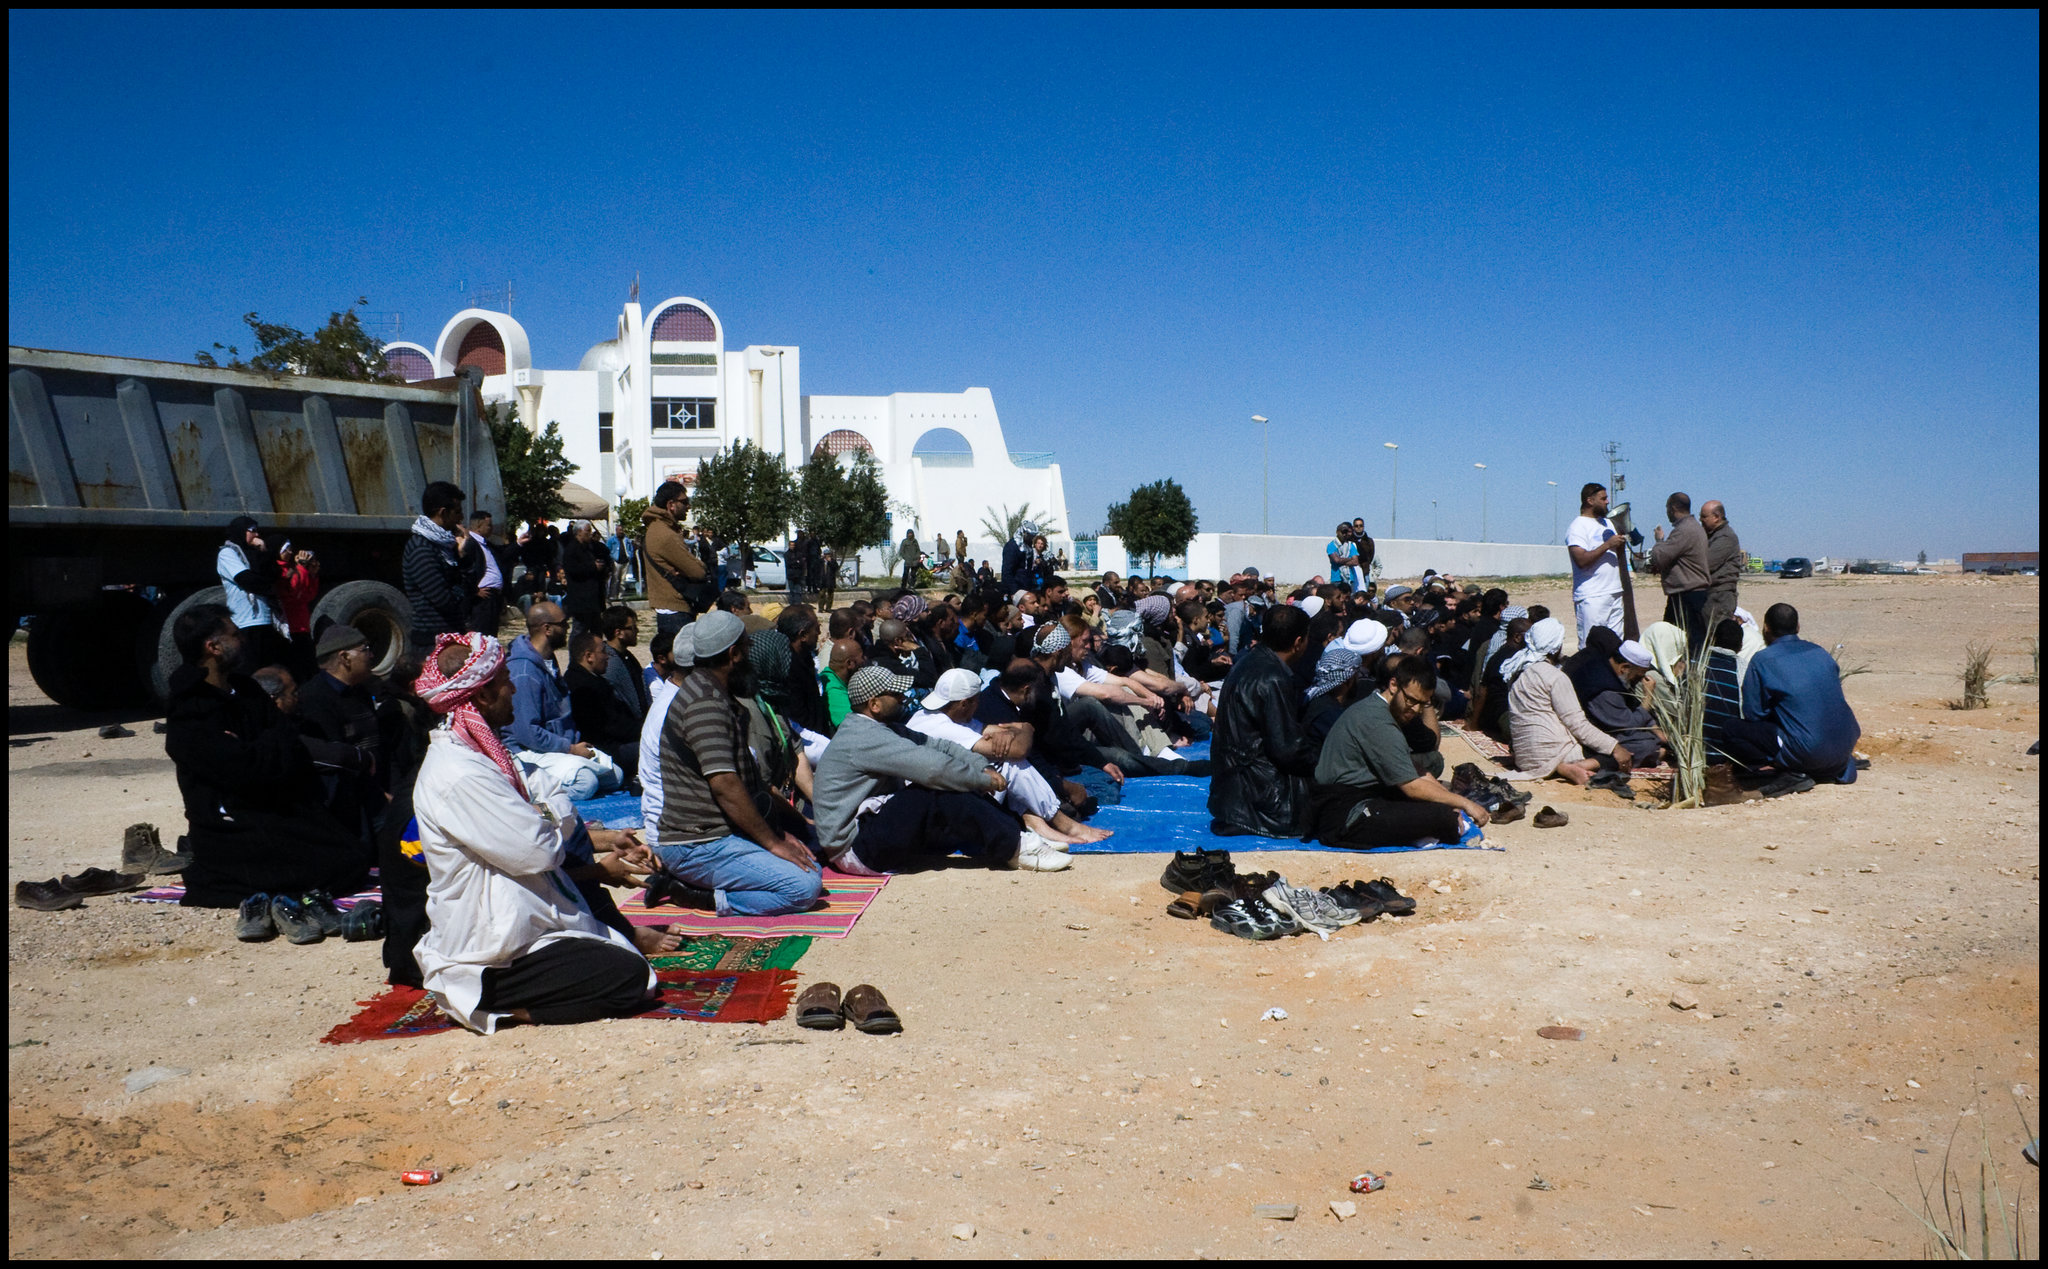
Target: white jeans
x=1598, y=610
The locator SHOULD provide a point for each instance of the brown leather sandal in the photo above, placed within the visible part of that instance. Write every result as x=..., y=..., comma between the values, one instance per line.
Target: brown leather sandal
x=817, y=1007
x=869, y=1013
x=1187, y=907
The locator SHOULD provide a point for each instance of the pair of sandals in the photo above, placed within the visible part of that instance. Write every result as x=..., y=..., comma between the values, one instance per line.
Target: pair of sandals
x=820, y=1007
x=1616, y=782
x=1225, y=889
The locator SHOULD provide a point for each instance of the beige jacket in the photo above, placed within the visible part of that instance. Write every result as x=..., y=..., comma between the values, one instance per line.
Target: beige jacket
x=1546, y=725
x=666, y=546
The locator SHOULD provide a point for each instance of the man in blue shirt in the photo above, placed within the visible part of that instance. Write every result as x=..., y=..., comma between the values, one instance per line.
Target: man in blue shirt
x=543, y=729
x=1796, y=687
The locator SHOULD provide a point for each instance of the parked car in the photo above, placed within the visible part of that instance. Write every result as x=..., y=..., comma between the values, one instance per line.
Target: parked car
x=1797, y=566
x=770, y=573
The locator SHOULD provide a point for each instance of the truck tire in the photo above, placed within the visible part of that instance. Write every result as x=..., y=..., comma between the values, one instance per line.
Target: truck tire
x=82, y=655
x=161, y=652
x=379, y=611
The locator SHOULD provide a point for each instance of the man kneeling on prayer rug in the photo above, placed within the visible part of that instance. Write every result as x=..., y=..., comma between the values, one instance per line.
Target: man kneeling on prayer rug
x=511, y=937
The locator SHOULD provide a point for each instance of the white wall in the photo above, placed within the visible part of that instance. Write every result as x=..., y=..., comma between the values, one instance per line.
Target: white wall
x=1296, y=559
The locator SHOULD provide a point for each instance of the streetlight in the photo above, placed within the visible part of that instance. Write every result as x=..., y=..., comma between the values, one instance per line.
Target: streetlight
x=1553, y=511
x=1482, y=500
x=1435, y=530
x=1266, y=482
x=1395, y=530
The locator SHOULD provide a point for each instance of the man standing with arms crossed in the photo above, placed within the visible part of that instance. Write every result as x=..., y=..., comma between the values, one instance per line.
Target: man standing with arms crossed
x=1596, y=572
x=1724, y=564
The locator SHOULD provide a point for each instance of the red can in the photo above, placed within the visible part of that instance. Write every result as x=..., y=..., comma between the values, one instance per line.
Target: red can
x=1367, y=1182
x=420, y=1176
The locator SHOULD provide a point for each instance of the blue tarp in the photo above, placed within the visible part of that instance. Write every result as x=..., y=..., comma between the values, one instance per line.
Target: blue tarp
x=1159, y=814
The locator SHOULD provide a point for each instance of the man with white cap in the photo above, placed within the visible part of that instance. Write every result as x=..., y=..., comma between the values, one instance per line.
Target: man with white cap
x=714, y=826
x=1345, y=663
x=1606, y=687
x=1548, y=730
x=891, y=800
x=947, y=712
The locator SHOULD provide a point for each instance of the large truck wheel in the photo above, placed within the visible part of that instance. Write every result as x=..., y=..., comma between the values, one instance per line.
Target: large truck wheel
x=81, y=655
x=158, y=650
x=381, y=612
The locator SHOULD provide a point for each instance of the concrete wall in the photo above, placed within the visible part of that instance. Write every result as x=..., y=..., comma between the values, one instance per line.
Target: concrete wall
x=1296, y=559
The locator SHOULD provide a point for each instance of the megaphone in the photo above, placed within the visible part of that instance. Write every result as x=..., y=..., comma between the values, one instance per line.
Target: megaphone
x=1625, y=526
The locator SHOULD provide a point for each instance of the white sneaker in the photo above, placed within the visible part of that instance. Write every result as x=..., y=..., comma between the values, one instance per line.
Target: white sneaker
x=1035, y=854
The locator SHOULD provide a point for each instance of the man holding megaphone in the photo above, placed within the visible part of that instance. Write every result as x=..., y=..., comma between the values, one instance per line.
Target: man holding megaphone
x=1596, y=548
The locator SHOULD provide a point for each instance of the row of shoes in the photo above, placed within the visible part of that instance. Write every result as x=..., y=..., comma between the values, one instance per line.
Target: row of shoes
x=307, y=918
x=1503, y=801
x=1265, y=905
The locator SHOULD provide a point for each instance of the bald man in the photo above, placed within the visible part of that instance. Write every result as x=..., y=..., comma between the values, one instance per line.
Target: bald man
x=845, y=659
x=542, y=723
x=1724, y=563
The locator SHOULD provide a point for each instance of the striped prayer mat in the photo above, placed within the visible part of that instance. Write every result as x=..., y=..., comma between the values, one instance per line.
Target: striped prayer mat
x=846, y=898
x=176, y=894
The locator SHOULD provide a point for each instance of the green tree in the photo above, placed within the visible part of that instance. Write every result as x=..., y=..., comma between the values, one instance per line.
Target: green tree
x=743, y=494
x=631, y=516
x=530, y=467
x=1923, y=559
x=844, y=503
x=1157, y=519
x=341, y=349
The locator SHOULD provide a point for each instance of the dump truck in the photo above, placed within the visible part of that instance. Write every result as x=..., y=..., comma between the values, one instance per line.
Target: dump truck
x=123, y=474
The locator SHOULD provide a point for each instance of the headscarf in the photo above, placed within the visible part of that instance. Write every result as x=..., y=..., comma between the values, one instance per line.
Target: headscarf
x=1338, y=663
x=1666, y=645
x=769, y=654
x=1513, y=612
x=1543, y=641
x=1052, y=636
x=451, y=695
x=910, y=608
x=1025, y=532
x=1153, y=610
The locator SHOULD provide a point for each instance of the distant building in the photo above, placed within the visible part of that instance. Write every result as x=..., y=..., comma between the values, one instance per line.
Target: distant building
x=2000, y=561
x=664, y=393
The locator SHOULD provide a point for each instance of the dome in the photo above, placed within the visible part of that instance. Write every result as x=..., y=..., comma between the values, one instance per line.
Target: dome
x=604, y=356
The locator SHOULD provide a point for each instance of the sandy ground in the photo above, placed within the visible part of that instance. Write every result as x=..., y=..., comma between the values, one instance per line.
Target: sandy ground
x=1085, y=1076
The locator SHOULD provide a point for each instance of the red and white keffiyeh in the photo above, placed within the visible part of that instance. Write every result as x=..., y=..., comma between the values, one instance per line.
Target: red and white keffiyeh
x=450, y=694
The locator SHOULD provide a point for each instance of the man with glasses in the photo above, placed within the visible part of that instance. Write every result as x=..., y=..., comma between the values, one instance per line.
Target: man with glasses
x=543, y=729
x=1370, y=790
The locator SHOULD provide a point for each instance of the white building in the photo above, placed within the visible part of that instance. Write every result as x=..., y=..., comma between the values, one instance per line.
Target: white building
x=664, y=393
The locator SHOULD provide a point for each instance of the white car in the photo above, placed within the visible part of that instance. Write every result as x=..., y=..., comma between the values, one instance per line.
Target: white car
x=770, y=573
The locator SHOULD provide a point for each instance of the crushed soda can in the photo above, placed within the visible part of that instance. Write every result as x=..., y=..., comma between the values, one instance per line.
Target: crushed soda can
x=420, y=1176
x=1367, y=1182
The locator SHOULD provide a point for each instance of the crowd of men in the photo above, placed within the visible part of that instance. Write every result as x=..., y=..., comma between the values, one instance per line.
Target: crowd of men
x=987, y=723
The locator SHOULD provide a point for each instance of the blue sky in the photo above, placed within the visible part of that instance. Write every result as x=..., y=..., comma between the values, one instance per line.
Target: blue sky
x=1788, y=260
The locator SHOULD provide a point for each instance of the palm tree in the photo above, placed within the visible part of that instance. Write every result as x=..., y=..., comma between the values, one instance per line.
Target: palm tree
x=1002, y=525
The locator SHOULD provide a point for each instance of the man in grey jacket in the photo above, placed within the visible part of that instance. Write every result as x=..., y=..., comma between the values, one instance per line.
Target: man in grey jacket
x=1682, y=561
x=892, y=800
x=1724, y=563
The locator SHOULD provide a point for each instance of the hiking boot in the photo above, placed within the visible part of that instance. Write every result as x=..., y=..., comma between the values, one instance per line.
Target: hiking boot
x=100, y=881
x=143, y=851
x=363, y=923
x=46, y=896
x=1398, y=904
x=1465, y=777
x=294, y=922
x=1035, y=854
x=1789, y=782
x=1550, y=818
x=1309, y=908
x=1721, y=788
x=1203, y=870
x=320, y=905
x=253, y=924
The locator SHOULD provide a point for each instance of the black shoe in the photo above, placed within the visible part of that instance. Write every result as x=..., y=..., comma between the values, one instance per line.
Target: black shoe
x=1367, y=906
x=661, y=889
x=100, y=881
x=1465, y=777
x=320, y=905
x=363, y=923
x=1520, y=797
x=114, y=731
x=1203, y=870
x=1790, y=782
x=254, y=924
x=46, y=896
x=294, y=922
x=1398, y=904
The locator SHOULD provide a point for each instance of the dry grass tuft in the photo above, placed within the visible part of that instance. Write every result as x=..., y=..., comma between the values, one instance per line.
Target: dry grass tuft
x=1976, y=677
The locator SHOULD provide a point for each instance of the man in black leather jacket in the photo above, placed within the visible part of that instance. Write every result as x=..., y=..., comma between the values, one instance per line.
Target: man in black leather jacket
x=1263, y=755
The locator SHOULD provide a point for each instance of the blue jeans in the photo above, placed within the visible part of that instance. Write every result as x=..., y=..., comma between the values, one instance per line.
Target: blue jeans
x=747, y=879
x=1104, y=790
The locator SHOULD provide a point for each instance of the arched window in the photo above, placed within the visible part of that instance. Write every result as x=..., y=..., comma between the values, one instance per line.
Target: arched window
x=943, y=447
x=409, y=364
x=482, y=348
x=684, y=324
x=840, y=442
